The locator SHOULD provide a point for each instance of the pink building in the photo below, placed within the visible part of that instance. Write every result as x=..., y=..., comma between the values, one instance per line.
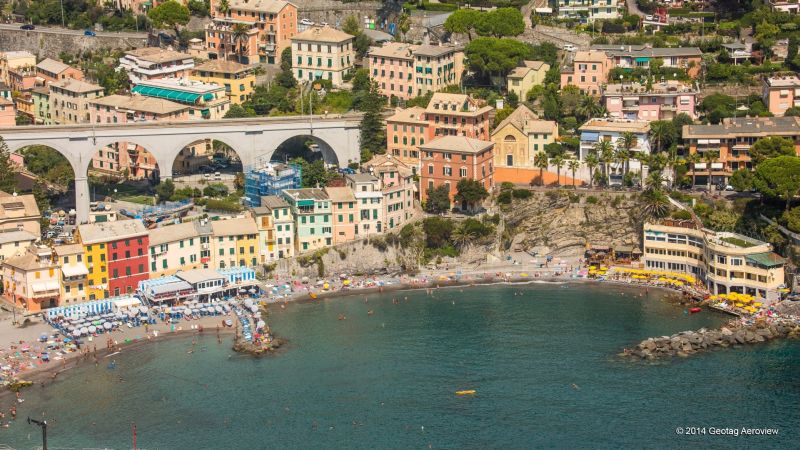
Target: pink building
x=405, y=131
x=406, y=70
x=128, y=158
x=781, y=93
x=22, y=78
x=8, y=115
x=588, y=71
x=457, y=115
x=398, y=187
x=344, y=210
x=662, y=101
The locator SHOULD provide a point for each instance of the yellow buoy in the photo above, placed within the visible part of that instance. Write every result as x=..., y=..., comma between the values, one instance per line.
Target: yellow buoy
x=466, y=392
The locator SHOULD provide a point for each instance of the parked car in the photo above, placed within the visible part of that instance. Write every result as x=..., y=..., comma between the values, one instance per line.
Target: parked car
x=89, y=33
x=217, y=176
x=569, y=48
x=27, y=26
x=306, y=22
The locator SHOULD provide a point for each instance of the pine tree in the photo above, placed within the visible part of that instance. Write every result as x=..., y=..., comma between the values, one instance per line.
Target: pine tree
x=8, y=172
x=373, y=130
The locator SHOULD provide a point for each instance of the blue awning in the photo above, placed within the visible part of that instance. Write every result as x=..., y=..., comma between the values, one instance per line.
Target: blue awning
x=167, y=94
x=589, y=136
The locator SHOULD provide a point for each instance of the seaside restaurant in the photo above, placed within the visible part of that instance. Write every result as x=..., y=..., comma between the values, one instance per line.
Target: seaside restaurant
x=204, y=282
x=169, y=290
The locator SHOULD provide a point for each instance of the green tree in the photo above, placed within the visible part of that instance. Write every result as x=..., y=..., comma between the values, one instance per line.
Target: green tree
x=22, y=120
x=605, y=152
x=625, y=144
x=238, y=34
x=779, y=178
x=169, y=14
x=559, y=162
x=165, y=190
x=791, y=219
x=541, y=162
x=591, y=163
x=500, y=22
x=492, y=56
x=655, y=203
x=470, y=192
x=794, y=111
x=771, y=147
x=462, y=21
x=373, y=130
x=314, y=173
x=438, y=200
x=238, y=112
x=588, y=107
x=742, y=180
x=662, y=133
x=438, y=231
x=573, y=165
x=709, y=157
x=352, y=25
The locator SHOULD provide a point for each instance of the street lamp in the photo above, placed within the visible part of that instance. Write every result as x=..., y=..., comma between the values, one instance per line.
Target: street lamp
x=43, y=425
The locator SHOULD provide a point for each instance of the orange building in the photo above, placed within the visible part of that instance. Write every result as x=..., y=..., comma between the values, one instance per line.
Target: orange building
x=448, y=159
x=457, y=115
x=406, y=130
x=781, y=93
x=50, y=70
x=588, y=71
x=250, y=31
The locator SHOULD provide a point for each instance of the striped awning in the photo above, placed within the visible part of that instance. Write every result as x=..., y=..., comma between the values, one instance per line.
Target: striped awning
x=167, y=94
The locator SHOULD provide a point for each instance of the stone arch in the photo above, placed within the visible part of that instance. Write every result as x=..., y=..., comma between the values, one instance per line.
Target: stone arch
x=73, y=157
x=124, y=158
x=196, y=152
x=318, y=145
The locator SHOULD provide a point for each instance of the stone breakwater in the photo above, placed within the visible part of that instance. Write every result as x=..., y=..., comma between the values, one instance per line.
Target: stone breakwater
x=686, y=343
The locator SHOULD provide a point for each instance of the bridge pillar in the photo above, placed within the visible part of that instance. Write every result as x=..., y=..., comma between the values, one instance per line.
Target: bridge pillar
x=82, y=199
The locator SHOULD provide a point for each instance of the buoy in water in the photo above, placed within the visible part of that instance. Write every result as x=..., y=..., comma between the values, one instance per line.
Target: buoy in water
x=466, y=392
x=695, y=310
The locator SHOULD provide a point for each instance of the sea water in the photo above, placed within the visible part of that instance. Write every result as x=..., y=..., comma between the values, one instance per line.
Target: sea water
x=541, y=358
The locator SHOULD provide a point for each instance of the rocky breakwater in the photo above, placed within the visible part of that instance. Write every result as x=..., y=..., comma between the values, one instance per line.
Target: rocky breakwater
x=735, y=334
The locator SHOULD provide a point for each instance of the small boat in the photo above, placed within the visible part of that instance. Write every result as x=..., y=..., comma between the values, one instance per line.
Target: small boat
x=228, y=323
x=695, y=310
x=313, y=295
x=466, y=392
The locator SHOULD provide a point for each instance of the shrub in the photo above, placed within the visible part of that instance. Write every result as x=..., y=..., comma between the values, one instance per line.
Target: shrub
x=592, y=200
x=681, y=214
x=504, y=198
x=521, y=193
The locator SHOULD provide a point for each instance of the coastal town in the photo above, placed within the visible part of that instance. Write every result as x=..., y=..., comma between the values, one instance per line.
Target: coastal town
x=187, y=167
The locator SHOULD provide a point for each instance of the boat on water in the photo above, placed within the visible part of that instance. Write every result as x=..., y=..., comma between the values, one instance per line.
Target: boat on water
x=313, y=295
x=466, y=392
x=694, y=310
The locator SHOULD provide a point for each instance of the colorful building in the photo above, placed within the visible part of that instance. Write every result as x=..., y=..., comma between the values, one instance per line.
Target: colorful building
x=449, y=159
x=283, y=223
x=344, y=212
x=269, y=180
x=588, y=71
x=322, y=53
x=406, y=70
x=268, y=26
x=406, y=130
x=239, y=80
x=116, y=255
x=205, y=101
x=457, y=115
x=235, y=243
x=522, y=79
x=611, y=130
x=41, y=106
x=154, y=63
x=14, y=243
x=369, y=199
x=8, y=113
x=177, y=247
x=73, y=274
x=517, y=140
x=589, y=10
x=311, y=209
x=31, y=280
x=640, y=56
x=50, y=70
x=660, y=101
x=20, y=212
x=69, y=101
x=398, y=188
x=781, y=93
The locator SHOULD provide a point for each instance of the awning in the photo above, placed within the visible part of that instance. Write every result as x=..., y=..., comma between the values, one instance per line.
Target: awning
x=74, y=270
x=126, y=302
x=45, y=286
x=641, y=59
x=590, y=136
x=318, y=73
x=167, y=94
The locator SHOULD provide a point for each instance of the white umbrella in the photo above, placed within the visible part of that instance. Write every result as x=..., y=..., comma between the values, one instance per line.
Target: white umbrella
x=76, y=333
x=143, y=310
x=84, y=330
x=261, y=324
x=254, y=308
x=252, y=291
x=107, y=325
x=131, y=313
x=257, y=315
x=92, y=329
x=218, y=309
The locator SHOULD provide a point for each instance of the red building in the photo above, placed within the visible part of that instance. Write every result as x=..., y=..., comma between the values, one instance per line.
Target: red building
x=117, y=256
x=127, y=262
x=448, y=159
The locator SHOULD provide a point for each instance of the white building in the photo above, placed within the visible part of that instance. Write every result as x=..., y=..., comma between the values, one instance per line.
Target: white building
x=152, y=63
x=367, y=190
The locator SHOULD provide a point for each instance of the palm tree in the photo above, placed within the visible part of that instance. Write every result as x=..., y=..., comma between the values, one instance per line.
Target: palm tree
x=238, y=32
x=655, y=203
x=588, y=107
x=654, y=181
x=223, y=6
x=559, y=162
x=462, y=237
x=644, y=159
x=540, y=161
x=573, y=165
x=659, y=132
x=605, y=151
x=691, y=159
x=626, y=141
x=710, y=157
x=591, y=162
x=623, y=156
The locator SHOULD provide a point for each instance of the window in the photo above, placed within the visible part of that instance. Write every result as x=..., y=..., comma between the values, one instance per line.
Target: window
x=463, y=172
x=509, y=161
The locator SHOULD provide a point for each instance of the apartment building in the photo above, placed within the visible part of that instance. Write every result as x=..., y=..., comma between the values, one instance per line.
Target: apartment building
x=457, y=115
x=117, y=256
x=398, y=188
x=406, y=130
x=344, y=213
x=8, y=113
x=14, y=243
x=31, y=280
x=41, y=106
x=154, y=63
x=589, y=10
x=19, y=212
x=205, y=101
x=724, y=262
x=392, y=67
x=522, y=79
x=322, y=53
x=448, y=159
x=238, y=80
x=312, y=210
x=235, y=243
x=588, y=71
x=250, y=31
x=69, y=101
x=73, y=283
x=731, y=140
x=517, y=140
x=13, y=60
x=178, y=247
x=781, y=93
x=436, y=67
x=611, y=130
x=284, y=225
x=369, y=201
x=51, y=70
x=661, y=101
x=640, y=56
x=22, y=78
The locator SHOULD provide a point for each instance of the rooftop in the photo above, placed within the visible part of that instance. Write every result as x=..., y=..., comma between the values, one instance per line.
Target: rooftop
x=234, y=227
x=393, y=50
x=17, y=236
x=69, y=249
x=16, y=54
x=157, y=55
x=415, y=114
x=306, y=193
x=520, y=72
x=618, y=125
x=643, y=51
x=172, y=233
x=387, y=163
x=195, y=276
x=322, y=34
x=666, y=87
x=140, y=103
x=111, y=231
x=361, y=178
x=273, y=202
x=222, y=66
x=340, y=194
x=267, y=6
x=434, y=50
x=590, y=56
x=52, y=66
x=19, y=206
x=459, y=104
x=766, y=259
x=788, y=81
x=181, y=84
x=459, y=144
x=527, y=122
x=26, y=261
x=745, y=127
x=77, y=86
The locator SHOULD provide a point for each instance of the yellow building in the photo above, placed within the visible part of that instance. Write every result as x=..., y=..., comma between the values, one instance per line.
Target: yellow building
x=73, y=274
x=239, y=80
x=725, y=262
x=517, y=140
x=234, y=243
x=523, y=79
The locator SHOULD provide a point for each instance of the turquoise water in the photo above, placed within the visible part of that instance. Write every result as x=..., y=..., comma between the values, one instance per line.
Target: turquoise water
x=543, y=364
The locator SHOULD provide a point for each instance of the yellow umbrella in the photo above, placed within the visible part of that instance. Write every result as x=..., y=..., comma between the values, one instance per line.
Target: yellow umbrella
x=758, y=304
x=346, y=282
x=326, y=286
x=739, y=305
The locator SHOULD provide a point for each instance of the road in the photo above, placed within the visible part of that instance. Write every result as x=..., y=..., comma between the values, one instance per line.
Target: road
x=633, y=8
x=64, y=31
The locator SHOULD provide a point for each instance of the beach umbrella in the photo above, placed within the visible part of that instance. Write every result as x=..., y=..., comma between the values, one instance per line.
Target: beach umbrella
x=143, y=310
x=107, y=325
x=261, y=324
x=218, y=309
x=92, y=329
x=76, y=333
x=252, y=291
x=254, y=308
x=84, y=330
x=257, y=315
